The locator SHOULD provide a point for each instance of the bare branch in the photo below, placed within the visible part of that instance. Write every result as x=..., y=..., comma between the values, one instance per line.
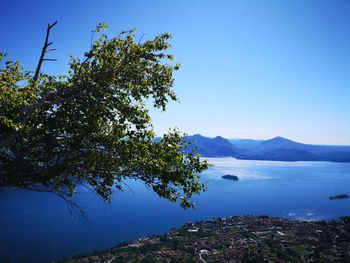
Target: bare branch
x=92, y=38
x=42, y=56
x=141, y=38
x=132, y=191
x=51, y=26
x=72, y=206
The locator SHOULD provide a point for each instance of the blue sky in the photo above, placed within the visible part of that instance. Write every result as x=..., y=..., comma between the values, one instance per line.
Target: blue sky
x=250, y=69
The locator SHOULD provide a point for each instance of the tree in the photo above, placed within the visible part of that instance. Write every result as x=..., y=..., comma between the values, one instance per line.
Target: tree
x=92, y=125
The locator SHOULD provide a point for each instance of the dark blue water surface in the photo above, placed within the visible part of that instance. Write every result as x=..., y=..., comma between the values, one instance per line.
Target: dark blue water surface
x=37, y=227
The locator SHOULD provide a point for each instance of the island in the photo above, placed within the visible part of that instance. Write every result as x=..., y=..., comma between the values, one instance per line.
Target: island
x=230, y=177
x=237, y=239
x=340, y=196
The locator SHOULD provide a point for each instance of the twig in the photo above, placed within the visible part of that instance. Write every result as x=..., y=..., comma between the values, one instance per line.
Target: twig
x=71, y=205
x=132, y=191
x=141, y=38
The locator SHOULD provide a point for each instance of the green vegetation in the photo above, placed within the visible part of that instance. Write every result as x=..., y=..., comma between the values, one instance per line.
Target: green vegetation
x=300, y=250
x=92, y=125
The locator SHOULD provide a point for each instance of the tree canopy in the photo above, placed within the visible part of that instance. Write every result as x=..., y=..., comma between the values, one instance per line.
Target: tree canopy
x=92, y=124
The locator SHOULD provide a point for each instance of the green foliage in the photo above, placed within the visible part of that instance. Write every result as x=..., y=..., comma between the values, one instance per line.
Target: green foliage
x=92, y=125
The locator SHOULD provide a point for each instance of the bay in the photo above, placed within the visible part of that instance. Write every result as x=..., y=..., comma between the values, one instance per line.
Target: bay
x=38, y=227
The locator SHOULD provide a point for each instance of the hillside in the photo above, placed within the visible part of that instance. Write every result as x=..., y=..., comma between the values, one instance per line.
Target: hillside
x=275, y=149
x=238, y=239
x=212, y=147
x=246, y=144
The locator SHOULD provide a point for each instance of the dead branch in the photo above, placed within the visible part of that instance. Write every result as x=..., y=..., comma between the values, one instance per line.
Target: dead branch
x=43, y=52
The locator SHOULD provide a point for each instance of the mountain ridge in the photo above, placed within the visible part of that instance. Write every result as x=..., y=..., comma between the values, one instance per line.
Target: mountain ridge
x=274, y=149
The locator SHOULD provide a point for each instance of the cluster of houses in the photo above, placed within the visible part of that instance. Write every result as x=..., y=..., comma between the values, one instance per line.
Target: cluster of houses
x=239, y=239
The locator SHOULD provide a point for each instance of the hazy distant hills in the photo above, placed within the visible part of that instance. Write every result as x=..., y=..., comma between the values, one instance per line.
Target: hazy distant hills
x=213, y=147
x=276, y=149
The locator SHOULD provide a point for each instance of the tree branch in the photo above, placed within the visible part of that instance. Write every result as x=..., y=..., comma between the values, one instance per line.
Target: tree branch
x=43, y=52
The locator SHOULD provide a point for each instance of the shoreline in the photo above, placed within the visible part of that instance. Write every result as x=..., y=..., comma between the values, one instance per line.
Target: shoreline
x=237, y=237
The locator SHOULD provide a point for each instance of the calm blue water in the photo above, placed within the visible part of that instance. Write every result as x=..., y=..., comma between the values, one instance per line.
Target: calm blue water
x=37, y=227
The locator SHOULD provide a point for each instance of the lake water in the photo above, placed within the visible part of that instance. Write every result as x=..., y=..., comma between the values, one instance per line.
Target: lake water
x=37, y=227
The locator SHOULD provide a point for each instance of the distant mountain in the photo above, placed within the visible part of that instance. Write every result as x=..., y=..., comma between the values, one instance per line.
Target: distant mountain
x=212, y=147
x=279, y=142
x=245, y=143
x=283, y=149
x=275, y=149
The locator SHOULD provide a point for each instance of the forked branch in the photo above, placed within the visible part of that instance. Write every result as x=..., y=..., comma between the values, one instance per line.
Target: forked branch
x=44, y=51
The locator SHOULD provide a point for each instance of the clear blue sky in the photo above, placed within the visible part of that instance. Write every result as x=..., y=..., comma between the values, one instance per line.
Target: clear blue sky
x=250, y=69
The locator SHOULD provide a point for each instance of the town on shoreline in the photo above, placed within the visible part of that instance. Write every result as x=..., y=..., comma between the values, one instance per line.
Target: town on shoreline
x=238, y=239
